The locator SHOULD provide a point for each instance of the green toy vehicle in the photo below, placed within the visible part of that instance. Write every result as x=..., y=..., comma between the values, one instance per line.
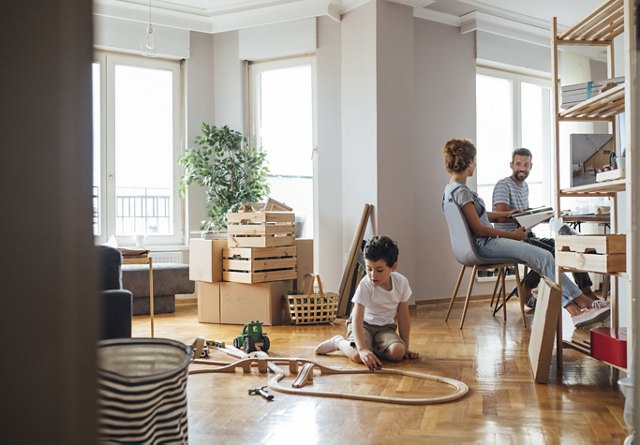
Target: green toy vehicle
x=252, y=338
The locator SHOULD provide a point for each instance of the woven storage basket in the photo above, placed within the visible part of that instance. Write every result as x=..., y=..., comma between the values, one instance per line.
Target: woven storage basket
x=313, y=308
x=142, y=391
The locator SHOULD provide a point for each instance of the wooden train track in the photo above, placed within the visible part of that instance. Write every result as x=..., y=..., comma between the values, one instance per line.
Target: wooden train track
x=304, y=371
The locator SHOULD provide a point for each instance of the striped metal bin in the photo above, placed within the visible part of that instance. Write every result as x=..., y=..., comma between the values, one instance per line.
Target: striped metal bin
x=142, y=391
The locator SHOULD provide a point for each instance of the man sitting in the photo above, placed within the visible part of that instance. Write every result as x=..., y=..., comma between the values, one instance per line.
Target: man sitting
x=512, y=193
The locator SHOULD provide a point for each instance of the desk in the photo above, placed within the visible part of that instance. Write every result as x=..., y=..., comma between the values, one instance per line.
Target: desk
x=575, y=221
x=146, y=259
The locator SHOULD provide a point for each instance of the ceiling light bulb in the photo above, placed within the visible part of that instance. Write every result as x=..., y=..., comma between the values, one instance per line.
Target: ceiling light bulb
x=150, y=39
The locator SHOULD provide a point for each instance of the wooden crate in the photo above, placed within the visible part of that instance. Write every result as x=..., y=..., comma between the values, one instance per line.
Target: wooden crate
x=592, y=253
x=261, y=229
x=259, y=264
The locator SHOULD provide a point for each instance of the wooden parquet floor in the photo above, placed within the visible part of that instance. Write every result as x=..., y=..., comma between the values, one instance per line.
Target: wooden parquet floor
x=504, y=405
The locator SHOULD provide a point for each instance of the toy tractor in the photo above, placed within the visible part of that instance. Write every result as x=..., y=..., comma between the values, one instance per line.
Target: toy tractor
x=252, y=338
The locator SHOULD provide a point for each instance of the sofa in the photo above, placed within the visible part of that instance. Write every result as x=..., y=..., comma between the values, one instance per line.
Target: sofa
x=115, y=304
x=169, y=279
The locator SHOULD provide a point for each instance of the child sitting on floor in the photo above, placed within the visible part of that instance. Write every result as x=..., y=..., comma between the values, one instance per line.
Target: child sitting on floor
x=380, y=301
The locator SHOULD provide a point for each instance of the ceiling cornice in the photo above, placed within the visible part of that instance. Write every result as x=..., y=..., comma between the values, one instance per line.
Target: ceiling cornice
x=237, y=14
x=437, y=16
x=348, y=5
x=414, y=3
x=231, y=15
x=479, y=21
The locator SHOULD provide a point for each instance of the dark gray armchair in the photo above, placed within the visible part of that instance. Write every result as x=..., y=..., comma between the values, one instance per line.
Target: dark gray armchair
x=114, y=303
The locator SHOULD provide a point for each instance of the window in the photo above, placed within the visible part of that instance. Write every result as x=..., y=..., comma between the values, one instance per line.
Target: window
x=136, y=123
x=513, y=111
x=282, y=96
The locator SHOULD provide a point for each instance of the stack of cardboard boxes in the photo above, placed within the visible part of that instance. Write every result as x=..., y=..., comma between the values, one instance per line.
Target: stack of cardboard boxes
x=246, y=276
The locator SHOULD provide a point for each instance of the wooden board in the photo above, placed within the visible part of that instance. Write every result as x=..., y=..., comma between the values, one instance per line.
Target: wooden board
x=592, y=262
x=543, y=329
x=602, y=244
x=260, y=241
x=258, y=265
x=259, y=277
x=352, y=262
x=260, y=217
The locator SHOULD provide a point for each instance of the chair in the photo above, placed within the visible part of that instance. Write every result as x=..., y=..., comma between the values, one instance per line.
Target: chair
x=114, y=303
x=466, y=253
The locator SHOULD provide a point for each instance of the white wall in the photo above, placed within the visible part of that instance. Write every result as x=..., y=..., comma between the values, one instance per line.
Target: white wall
x=328, y=159
x=359, y=117
x=445, y=108
x=496, y=50
x=214, y=87
x=229, y=80
x=199, y=94
x=128, y=36
x=395, y=212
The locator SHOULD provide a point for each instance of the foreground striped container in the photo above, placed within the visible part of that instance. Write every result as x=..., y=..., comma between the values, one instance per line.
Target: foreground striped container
x=142, y=391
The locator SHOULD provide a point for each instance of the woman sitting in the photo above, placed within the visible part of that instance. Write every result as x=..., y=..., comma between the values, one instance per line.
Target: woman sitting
x=460, y=162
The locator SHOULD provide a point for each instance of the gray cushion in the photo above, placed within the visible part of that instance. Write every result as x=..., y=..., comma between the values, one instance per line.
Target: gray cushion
x=168, y=279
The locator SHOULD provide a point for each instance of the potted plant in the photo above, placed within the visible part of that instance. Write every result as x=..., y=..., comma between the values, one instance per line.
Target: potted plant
x=232, y=172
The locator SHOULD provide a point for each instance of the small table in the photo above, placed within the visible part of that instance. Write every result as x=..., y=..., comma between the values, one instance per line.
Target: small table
x=144, y=260
x=576, y=220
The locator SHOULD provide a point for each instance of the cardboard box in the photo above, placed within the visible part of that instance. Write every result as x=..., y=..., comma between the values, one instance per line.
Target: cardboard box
x=305, y=263
x=241, y=303
x=208, y=302
x=543, y=329
x=205, y=259
x=610, y=345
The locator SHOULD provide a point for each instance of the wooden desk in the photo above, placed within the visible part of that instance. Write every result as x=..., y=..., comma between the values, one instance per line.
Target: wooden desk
x=576, y=220
x=144, y=260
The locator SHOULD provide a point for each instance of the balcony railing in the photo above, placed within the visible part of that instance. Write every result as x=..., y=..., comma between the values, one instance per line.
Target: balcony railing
x=139, y=211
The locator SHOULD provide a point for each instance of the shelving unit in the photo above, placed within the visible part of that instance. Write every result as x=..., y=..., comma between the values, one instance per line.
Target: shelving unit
x=597, y=29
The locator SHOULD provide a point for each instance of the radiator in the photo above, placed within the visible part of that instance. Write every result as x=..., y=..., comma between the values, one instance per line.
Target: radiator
x=167, y=257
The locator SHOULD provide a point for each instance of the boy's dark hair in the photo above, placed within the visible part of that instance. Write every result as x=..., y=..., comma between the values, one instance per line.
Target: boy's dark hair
x=381, y=247
x=521, y=152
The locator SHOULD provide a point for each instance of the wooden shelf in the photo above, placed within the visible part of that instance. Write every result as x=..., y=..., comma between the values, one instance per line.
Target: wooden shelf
x=597, y=189
x=597, y=29
x=605, y=105
x=600, y=27
x=567, y=343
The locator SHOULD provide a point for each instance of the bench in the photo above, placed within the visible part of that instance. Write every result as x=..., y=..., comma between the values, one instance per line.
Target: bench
x=169, y=279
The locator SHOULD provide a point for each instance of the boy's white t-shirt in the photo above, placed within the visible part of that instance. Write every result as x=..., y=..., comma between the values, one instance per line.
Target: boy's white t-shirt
x=380, y=305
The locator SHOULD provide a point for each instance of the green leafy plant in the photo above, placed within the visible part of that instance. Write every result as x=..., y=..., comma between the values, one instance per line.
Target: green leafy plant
x=231, y=171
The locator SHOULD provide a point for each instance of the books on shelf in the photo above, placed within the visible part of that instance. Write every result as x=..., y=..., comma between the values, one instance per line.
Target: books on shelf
x=579, y=92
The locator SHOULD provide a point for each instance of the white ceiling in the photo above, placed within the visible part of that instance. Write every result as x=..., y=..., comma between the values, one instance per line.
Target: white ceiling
x=223, y=15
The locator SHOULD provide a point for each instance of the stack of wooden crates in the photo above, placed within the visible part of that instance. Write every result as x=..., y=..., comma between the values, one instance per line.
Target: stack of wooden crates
x=245, y=276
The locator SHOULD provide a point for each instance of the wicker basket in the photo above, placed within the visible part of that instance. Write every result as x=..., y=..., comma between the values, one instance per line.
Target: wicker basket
x=313, y=308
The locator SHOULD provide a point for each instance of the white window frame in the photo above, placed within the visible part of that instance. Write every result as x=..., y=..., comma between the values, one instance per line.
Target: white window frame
x=107, y=62
x=546, y=163
x=253, y=72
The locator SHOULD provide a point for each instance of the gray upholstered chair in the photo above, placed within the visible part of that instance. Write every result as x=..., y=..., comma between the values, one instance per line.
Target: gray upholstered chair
x=466, y=253
x=114, y=302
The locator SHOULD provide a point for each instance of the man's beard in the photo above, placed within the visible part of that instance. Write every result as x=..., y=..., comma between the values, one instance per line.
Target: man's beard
x=520, y=176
